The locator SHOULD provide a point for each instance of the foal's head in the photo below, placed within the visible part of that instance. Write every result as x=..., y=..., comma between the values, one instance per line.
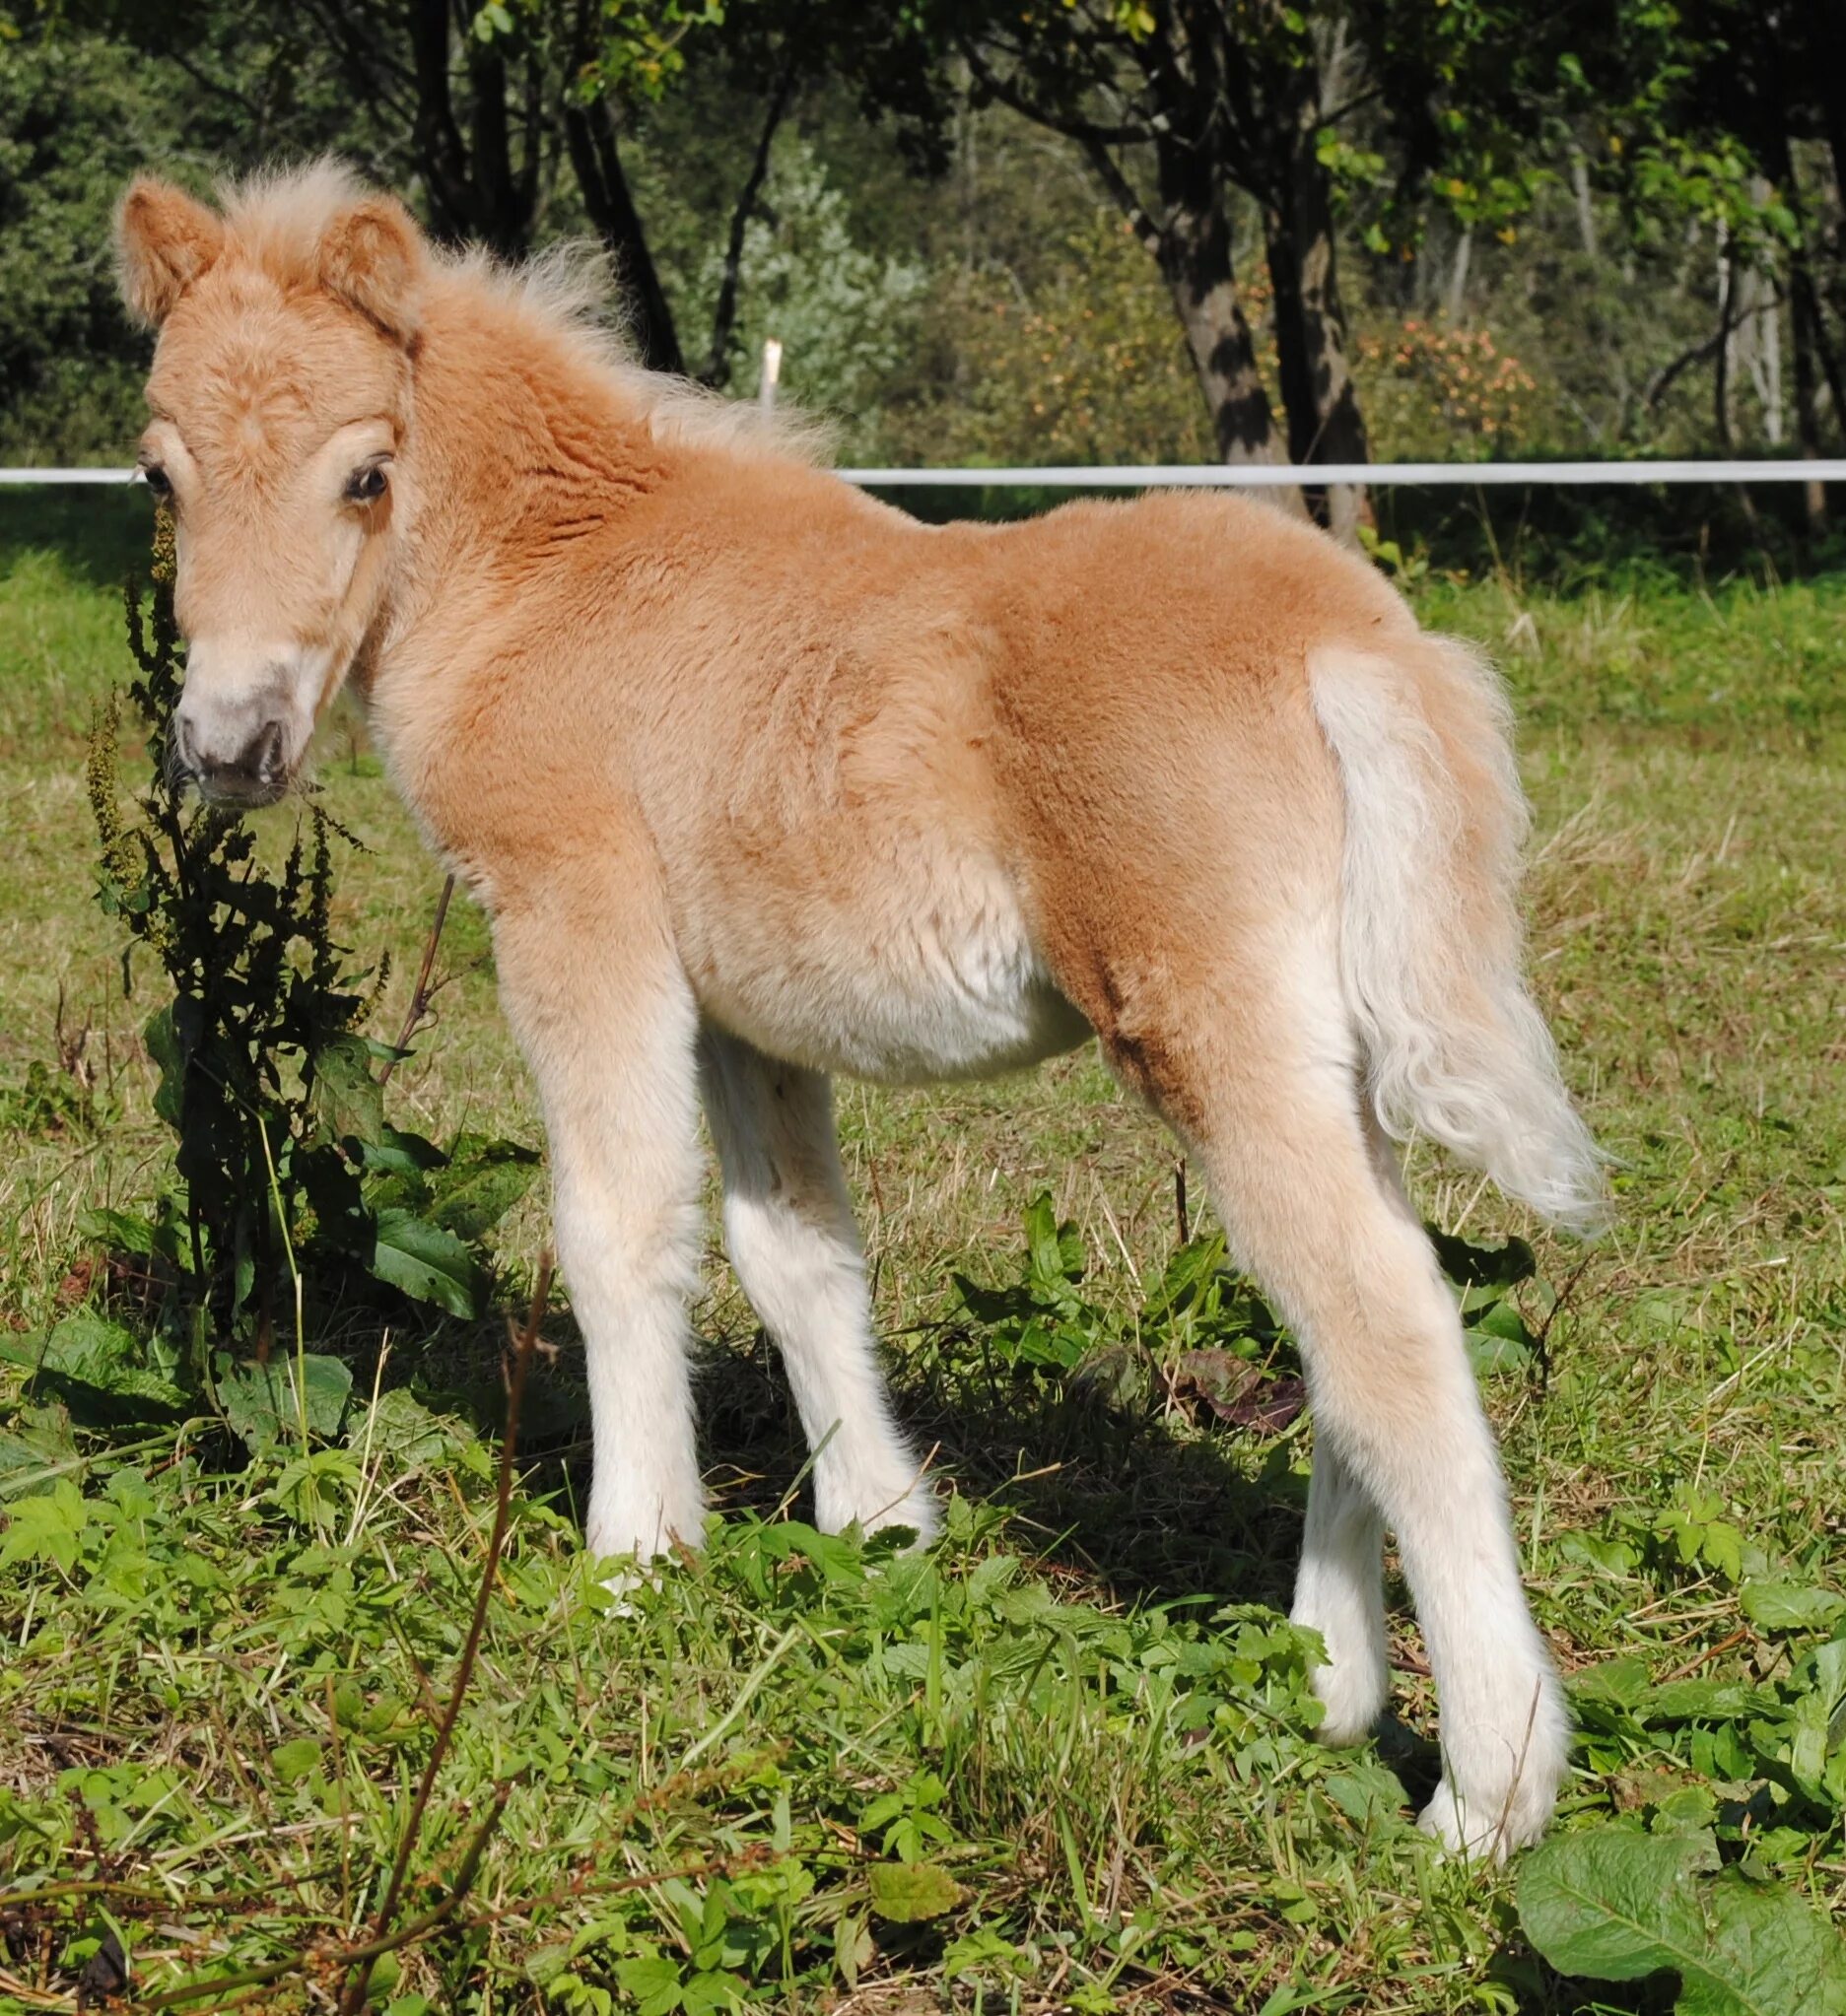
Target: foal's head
x=279, y=397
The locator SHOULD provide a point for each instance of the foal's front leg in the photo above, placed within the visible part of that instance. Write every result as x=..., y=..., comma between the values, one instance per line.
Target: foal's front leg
x=789, y=1228
x=597, y=998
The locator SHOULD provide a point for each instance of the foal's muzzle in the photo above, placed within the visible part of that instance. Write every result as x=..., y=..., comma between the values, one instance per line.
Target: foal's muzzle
x=244, y=762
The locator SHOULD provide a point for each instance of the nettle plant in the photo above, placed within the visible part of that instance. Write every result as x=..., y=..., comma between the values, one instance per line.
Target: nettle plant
x=288, y=1180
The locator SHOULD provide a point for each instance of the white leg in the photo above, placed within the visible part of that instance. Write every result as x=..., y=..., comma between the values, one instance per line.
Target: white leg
x=1397, y=1411
x=609, y=1026
x=789, y=1228
x=1399, y=1424
x=1339, y=1592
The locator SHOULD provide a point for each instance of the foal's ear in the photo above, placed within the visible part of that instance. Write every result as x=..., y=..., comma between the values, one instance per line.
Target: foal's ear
x=372, y=256
x=163, y=242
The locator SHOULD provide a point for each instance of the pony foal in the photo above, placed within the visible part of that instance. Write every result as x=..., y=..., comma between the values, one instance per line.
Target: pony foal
x=759, y=781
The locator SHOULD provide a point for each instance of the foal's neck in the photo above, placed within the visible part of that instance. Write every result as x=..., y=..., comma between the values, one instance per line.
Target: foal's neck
x=522, y=438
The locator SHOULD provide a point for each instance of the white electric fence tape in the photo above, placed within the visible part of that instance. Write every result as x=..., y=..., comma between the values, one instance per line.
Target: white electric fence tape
x=1248, y=475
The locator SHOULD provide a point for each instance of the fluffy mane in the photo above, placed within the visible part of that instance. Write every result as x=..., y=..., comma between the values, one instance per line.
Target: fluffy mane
x=276, y=220
x=569, y=292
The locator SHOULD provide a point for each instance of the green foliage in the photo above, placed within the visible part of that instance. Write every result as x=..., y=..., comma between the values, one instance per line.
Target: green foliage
x=1618, y=1905
x=1081, y=360
x=1203, y=1333
x=912, y=1726
x=286, y=1165
x=215, y=1686
x=68, y=385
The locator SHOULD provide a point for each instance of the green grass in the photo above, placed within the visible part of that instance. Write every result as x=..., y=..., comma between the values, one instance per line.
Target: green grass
x=1080, y=1712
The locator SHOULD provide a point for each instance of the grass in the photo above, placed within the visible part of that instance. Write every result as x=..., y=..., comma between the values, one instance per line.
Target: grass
x=1065, y=1761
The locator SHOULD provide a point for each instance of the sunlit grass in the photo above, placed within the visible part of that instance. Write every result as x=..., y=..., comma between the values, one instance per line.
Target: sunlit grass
x=228, y=1673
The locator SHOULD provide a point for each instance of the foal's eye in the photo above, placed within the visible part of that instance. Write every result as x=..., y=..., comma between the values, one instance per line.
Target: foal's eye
x=156, y=478
x=367, y=483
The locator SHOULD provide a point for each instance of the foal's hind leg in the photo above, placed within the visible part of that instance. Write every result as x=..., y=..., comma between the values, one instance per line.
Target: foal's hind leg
x=1262, y=1088
x=789, y=1228
x=1340, y=1591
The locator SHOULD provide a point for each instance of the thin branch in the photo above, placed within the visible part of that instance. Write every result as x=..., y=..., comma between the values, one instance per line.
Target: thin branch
x=1662, y=380
x=716, y=371
x=419, y=994
x=1109, y=173
x=1088, y=131
x=524, y=1344
x=247, y=104
x=1351, y=106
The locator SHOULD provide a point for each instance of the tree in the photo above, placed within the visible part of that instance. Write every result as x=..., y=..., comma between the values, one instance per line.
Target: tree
x=1182, y=107
x=1143, y=92
x=1763, y=77
x=481, y=106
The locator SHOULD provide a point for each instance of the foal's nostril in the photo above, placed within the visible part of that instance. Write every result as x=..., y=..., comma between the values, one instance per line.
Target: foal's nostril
x=265, y=757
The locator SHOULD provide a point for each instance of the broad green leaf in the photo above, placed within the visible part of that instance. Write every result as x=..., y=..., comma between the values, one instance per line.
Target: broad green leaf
x=911, y=1892
x=427, y=1262
x=36, y=1440
x=1502, y=1265
x=1623, y=1681
x=348, y=1099
x=1499, y=1342
x=398, y=1153
x=292, y=1762
x=102, y=1370
x=1790, y=1607
x=653, y=1981
x=1703, y=1700
x=400, y=1426
x=1613, y=1904
x=47, y=1527
x=170, y=1059
x=120, y=1232
x=482, y=1182
x=260, y=1400
x=716, y=1989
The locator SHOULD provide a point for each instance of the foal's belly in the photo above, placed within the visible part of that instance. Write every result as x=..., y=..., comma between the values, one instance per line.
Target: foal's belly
x=910, y=969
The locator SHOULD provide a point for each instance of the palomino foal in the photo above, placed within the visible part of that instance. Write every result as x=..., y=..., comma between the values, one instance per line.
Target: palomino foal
x=759, y=781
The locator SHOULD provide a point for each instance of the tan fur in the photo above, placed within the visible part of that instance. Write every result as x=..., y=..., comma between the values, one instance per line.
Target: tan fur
x=759, y=779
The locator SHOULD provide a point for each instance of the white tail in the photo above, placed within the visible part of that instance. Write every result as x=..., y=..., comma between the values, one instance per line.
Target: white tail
x=1431, y=945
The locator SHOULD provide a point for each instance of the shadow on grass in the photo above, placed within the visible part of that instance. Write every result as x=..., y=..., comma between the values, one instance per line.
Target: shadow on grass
x=1106, y=1494
x=99, y=533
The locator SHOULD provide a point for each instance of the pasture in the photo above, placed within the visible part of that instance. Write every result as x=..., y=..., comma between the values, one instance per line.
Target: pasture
x=1066, y=1761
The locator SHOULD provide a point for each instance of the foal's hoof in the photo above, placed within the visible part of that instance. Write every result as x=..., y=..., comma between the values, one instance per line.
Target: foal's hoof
x=1352, y=1693
x=1488, y=1831
x=917, y=1509
x=912, y=1502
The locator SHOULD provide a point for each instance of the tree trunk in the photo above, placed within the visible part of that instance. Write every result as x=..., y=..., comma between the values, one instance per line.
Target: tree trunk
x=1324, y=423
x=717, y=373
x=1725, y=357
x=1806, y=413
x=1806, y=330
x=1586, y=208
x=590, y=133
x=436, y=139
x=502, y=214
x=1195, y=253
x=1458, y=275
x=475, y=189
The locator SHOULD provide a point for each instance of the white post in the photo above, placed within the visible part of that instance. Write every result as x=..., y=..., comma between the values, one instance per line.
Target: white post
x=771, y=372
